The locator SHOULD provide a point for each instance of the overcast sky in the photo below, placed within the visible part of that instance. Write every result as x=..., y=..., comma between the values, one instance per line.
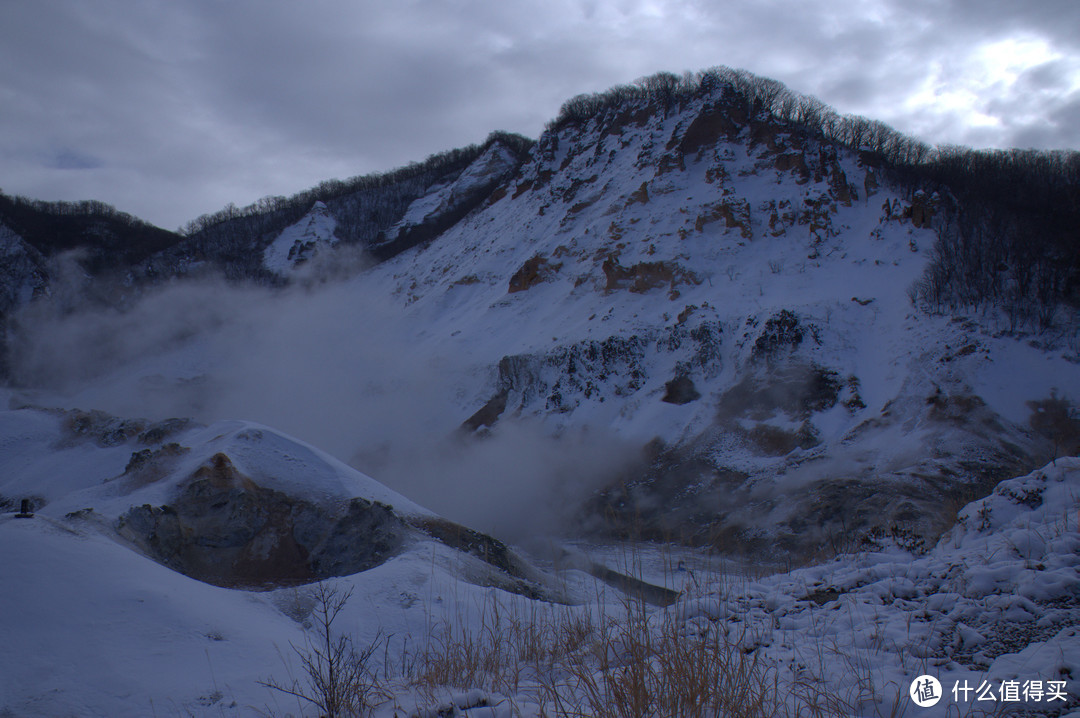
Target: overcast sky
x=171, y=108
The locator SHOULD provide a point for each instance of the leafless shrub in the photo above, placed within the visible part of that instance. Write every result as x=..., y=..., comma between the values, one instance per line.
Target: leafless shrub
x=339, y=681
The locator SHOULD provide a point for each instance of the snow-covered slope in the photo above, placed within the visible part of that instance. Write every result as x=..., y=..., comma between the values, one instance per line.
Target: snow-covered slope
x=93, y=628
x=728, y=293
x=490, y=167
x=300, y=242
x=994, y=603
x=739, y=292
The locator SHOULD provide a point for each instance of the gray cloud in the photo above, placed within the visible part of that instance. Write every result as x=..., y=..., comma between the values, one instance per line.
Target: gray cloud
x=168, y=110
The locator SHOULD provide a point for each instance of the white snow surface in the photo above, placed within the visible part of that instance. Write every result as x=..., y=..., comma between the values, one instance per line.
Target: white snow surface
x=996, y=600
x=93, y=628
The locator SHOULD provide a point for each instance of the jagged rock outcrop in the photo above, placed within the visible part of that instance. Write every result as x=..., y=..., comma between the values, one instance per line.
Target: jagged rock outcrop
x=225, y=529
x=537, y=269
x=222, y=527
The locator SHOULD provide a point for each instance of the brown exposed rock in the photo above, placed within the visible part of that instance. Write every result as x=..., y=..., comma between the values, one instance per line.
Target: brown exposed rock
x=781, y=216
x=838, y=183
x=921, y=211
x=162, y=430
x=224, y=529
x=467, y=280
x=103, y=429
x=766, y=133
x=639, y=117
x=488, y=414
x=793, y=161
x=640, y=195
x=570, y=192
x=149, y=465
x=535, y=270
x=706, y=130
x=782, y=333
x=522, y=188
x=734, y=212
x=458, y=537
x=644, y=276
x=870, y=183
x=680, y=390
x=578, y=206
x=717, y=174
x=818, y=215
x=670, y=162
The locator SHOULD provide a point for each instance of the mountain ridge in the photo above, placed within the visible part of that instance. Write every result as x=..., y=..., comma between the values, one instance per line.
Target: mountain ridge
x=1004, y=192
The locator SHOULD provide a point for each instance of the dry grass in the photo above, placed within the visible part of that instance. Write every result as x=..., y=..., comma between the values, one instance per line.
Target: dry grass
x=609, y=659
x=642, y=668
x=622, y=660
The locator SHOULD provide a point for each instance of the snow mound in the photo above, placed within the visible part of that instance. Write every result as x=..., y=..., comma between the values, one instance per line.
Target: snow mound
x=72, y=460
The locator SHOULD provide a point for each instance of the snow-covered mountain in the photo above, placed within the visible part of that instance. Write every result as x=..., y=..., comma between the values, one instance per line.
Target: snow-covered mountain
x=728, y=293
x=678, y=319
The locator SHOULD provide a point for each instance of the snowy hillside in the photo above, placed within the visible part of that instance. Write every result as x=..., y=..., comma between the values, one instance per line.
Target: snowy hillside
x=728, y=296
x=664, y=324
x=300, y=242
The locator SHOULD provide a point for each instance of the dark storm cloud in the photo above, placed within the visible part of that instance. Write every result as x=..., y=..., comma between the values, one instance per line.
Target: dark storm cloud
x=170, y=109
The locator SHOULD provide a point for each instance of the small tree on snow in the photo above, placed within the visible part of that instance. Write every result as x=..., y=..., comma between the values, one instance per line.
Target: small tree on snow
x=338, y=680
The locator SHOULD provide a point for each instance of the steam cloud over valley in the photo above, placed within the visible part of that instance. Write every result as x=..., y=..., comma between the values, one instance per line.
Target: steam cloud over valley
x=332, y=363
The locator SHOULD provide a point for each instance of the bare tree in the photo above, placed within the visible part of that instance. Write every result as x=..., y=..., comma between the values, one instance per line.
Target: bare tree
x=338, y=680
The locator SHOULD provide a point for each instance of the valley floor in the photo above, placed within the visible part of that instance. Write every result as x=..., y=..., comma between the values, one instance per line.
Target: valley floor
x=992, y=612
